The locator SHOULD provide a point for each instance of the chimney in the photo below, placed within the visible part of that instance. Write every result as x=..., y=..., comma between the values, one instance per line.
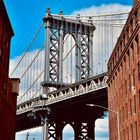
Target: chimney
x=15, y=85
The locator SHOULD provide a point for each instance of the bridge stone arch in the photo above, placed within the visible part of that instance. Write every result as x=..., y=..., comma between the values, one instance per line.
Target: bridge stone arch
x=56, y=29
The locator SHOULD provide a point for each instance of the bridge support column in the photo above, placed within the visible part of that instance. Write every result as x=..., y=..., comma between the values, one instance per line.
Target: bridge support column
x=45, y=131
x=78, y=55
x=59, y=129
x=49, y=132
x=77, y=128
x=91, y=130
x=84, y=130
x=91, y=54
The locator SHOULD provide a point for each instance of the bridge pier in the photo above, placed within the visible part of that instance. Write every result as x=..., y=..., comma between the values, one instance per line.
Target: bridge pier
x=52, y=131
x=77, y=129
x=91, y=130
x=83, y=131
x=59, y=130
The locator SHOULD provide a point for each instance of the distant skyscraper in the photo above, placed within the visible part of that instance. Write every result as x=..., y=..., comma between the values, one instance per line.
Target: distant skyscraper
x=8, y=87
x=124, y=80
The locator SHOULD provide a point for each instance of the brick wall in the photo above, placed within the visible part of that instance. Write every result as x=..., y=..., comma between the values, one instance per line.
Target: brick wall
x=7, y=98
x=124, y=80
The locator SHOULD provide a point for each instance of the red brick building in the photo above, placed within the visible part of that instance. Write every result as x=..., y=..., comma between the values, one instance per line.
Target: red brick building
x=124, y=80
x=8, y=87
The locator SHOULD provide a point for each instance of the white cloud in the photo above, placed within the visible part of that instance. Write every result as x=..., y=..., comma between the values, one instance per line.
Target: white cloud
x=30, y=76
x=103, y=9
x=34, y=130
x=32, y=133
x=105, y=37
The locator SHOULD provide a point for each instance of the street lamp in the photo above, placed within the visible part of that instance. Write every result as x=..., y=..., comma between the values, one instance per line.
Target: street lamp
x=118, y=126
x=44, y=117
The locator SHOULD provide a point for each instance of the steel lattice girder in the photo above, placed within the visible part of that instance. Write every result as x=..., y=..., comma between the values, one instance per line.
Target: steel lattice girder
x=56, y=29
x=51, y=131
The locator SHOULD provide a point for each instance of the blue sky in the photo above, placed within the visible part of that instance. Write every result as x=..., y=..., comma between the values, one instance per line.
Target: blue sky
x=25, y=16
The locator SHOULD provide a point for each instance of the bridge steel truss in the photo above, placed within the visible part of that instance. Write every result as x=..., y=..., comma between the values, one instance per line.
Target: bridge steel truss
x=57, y=27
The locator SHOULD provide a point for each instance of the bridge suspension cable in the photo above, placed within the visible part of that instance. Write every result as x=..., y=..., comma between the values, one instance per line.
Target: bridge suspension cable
x=97, y=15
x=30, y=67
x=29, y=46
x=32, y=61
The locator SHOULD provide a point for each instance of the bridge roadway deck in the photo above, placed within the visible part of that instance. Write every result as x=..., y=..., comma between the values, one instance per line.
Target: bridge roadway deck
x=67, y=104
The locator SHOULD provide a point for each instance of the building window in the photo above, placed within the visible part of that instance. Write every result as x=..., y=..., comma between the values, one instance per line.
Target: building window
x=130, y=107
x=126, y=112
x=120, y=116
x=123, y=114
x=127, y=34
x=124, y=135
x=139, y=99
x=132, y=48
x=136, y=130
x=139, y=71
x=128, y=58
x=136, y=18
x=135, y=104
x=0, y=56
x=134, y=78
x=4, y=41
x=130, y=83
x=131, y=26
x=123, y=43
x=132, y=131
x=137, y=46
x=128, y=132
x=126, y=88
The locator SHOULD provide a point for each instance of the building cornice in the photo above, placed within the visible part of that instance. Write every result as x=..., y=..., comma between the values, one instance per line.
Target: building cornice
x=5, y=15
